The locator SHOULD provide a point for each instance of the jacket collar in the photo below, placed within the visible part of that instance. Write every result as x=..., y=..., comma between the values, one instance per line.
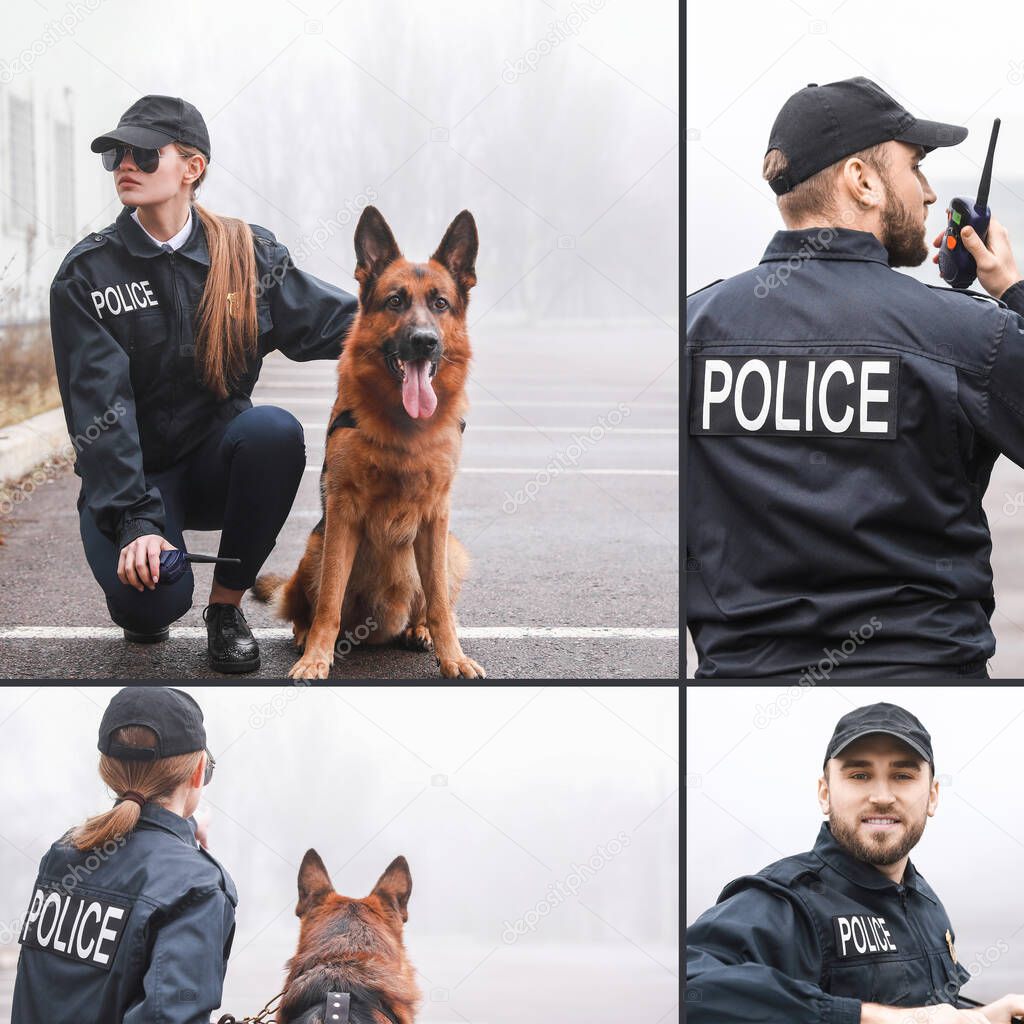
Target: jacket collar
x=159, y=817
x=826, y=243
x=860, y=872
x=138, y=243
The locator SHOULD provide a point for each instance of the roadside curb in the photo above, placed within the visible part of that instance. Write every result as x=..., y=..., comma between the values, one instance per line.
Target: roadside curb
x=33, y=441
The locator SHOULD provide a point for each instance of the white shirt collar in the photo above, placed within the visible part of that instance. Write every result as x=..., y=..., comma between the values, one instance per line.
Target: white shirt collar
x=177, y=241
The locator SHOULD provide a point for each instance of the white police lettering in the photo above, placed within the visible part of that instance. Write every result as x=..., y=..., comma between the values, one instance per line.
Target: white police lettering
x=81, y=928
x=847, y=396
x=123, y=298
x=861, y=935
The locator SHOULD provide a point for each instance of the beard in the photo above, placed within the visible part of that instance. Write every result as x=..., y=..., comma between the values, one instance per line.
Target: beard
x=876, y=850
x=902, y=235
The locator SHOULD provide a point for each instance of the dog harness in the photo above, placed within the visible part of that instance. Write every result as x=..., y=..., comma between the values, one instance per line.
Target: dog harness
x=345, y=420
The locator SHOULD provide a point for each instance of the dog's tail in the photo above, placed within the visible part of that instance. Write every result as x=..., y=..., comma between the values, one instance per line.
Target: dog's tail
x=267, y=587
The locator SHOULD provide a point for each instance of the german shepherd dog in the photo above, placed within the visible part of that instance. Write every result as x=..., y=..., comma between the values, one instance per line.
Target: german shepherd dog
x=351, y=946
x=381, y=558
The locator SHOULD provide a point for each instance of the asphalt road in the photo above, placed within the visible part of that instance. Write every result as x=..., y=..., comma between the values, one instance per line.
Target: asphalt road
x=1004, y=507
x=577, y=576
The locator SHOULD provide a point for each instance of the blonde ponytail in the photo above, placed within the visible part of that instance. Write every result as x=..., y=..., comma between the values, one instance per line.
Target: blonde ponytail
x=152, y=780
x=226, y=324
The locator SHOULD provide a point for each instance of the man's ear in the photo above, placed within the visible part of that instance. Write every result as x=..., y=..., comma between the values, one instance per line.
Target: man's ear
x=823, y=795
x=314, y=883
x=862, y=183
x=375, y=246
x=395, y=886
x=933, y=797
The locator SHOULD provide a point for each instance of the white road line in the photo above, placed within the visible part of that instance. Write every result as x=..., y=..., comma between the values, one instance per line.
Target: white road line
x=274, y=633
x=512, y=403
x=530, y=471
x=492, y=428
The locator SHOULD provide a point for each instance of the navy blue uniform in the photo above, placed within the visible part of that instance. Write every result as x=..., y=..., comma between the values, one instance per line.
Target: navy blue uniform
x=131, y=933
x=844, y=420
x=122, y=313
x=811, y=937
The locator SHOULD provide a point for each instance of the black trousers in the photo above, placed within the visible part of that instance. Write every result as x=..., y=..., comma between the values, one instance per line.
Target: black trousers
x=242, y=481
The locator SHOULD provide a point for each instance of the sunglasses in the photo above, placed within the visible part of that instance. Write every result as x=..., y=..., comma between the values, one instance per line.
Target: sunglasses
x=210, y=765
x=147, y=160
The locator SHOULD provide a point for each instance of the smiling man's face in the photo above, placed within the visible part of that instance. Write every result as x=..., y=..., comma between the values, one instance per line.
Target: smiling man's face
x=878, y=793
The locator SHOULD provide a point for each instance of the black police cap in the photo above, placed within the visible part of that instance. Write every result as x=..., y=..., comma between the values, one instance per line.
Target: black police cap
x=172, y=714
x=153, y=122
x=821, y=124
x=885, y=718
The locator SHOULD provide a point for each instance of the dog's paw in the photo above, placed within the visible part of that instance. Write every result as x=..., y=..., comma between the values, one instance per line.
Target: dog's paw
x=415, y=638
x=464, y=668
x=310, y=666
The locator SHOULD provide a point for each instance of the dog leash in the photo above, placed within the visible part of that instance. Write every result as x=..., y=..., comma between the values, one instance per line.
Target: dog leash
x=260, y=1018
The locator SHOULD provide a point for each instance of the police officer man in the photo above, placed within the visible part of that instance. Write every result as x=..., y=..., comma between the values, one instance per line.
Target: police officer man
x=130, y=918
x=848, y=932
x=844, y=418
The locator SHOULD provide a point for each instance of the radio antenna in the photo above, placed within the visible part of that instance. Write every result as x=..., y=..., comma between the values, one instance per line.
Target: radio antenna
x=981, y=203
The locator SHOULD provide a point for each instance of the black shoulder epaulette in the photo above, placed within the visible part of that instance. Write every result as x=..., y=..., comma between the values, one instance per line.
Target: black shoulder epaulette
x=87, y=244
x=262, y=234
x=967, y=291
x=706, y=287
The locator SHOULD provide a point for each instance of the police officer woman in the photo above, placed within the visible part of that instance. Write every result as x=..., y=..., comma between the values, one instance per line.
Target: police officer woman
x=160, y=323
x=131, y=920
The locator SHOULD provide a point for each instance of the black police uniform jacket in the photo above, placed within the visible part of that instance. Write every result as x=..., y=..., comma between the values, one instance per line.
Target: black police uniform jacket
x=811, y=937
x=136, y=931
x=122, y=314
x=834, y=510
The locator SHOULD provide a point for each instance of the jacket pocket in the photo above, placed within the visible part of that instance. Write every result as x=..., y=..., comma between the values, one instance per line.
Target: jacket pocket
x=887, y=982
x=148, y=348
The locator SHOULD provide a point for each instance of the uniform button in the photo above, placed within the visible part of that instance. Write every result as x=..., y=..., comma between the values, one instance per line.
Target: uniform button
x=97, y=238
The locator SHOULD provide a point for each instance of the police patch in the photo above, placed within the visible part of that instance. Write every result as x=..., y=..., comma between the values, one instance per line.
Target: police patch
x=798, y=395
x=860, y=935
x=81, y=928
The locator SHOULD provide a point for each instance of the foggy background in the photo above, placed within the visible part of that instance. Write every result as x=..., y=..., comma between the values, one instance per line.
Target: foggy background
x=737, y=82
x=753, y=759
x=493, y=794
x=554, y=121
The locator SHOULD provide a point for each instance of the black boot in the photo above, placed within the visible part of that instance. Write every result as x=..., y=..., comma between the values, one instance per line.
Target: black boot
x=231, y=645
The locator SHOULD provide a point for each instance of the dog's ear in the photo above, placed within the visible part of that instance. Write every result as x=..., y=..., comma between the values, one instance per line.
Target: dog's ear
x=375, y=245
x=458, y=249
x=395, y=886
x=314, y=883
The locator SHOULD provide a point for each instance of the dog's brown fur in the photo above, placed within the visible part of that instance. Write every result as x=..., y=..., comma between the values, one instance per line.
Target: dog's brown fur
x=381, y=566
x=352, y=945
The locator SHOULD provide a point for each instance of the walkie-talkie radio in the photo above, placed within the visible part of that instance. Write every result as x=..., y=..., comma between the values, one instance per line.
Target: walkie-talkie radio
x=956, y=264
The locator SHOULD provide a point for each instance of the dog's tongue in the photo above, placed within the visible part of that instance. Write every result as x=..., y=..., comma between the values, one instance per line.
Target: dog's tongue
x=417, y=394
